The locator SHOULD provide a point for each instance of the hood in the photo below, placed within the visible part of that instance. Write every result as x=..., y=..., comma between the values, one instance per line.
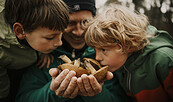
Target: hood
x=161, y=39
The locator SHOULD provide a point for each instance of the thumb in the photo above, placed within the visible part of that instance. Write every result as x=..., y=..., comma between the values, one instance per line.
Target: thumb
x=109, y=75
x=53, y=72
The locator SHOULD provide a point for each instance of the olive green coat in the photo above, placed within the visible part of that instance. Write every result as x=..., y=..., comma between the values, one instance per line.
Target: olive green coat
x=12, y=54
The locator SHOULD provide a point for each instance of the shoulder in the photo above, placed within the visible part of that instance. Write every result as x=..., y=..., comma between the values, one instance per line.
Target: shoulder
x=162, y=60
x=4, y=59
x=163, y=56
x=2, y=3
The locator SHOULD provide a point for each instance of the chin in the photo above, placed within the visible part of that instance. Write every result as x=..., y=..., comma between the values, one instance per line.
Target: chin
x=112, y=69
x=78, y=46
x=46, y=52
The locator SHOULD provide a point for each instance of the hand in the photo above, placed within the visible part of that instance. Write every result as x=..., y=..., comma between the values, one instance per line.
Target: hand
x=45, y=58
x=89, y=86
x=109, y=76
x=64, y=84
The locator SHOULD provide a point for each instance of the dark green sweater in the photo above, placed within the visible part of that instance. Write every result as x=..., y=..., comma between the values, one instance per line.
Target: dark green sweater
x=35, y=86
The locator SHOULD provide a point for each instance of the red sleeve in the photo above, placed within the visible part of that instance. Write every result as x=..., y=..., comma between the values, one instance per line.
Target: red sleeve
x=168, y=84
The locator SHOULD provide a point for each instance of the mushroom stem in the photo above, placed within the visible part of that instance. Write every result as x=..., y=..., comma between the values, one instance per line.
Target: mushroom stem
x=89, y=67
x=65, y=59
x=77, y=62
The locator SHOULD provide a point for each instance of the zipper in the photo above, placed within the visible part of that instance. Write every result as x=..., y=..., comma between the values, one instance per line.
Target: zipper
x=128, y=79
x=73, y=54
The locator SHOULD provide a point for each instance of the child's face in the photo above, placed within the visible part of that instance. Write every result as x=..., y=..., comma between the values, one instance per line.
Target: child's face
x=111, y=56
x=44, y=40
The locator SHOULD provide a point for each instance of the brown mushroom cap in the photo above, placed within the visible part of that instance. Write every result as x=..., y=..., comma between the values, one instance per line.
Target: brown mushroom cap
x=101, y=73
x=79, y=70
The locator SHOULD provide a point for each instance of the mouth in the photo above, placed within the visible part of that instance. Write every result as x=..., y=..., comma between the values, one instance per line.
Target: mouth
x=76, y=39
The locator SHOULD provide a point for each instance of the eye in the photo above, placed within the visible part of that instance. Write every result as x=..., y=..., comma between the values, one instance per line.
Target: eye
x=72, y=23
x=104, y=50
x=49, y=38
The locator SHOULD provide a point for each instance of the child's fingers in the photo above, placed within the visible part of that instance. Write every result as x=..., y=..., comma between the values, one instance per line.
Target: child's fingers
x=43, y=62
x=39, y=61
x=52, y=58
x=48, y=61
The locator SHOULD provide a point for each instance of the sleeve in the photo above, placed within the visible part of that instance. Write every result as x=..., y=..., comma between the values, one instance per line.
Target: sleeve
x=111, y=92
x=168, y=83
x=35, y=87
x=165, y=72
x=4, y=83
x=4, y=80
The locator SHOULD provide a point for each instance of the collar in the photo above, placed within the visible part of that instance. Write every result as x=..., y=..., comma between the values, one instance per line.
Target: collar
x=74, y=52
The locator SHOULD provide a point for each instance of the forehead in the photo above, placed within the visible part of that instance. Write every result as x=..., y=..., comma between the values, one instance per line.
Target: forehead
x=45, y=31
x=80, y=15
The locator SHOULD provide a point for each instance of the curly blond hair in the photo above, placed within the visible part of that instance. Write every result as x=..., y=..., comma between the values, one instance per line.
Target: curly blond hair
x=117, y=25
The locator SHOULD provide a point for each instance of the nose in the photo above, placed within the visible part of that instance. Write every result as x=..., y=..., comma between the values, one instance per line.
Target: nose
x=59, y=43
x=78, y=30
x=98, y=55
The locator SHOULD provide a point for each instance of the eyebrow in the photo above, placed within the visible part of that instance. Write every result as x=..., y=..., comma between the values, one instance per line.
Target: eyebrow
x=53, y=34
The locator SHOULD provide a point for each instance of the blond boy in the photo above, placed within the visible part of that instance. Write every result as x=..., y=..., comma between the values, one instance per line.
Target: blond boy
x=143, y=64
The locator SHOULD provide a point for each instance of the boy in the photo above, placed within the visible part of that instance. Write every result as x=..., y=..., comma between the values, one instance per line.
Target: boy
x=37, y=26
x=144, y=65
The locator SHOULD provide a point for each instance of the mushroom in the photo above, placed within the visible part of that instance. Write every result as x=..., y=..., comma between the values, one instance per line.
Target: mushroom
x=86, y=66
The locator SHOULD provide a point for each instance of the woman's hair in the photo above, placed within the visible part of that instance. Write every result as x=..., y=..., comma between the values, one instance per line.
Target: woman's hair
x=117, y=25
x=52, y=14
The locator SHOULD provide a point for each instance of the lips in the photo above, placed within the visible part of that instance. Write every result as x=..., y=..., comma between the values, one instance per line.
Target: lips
x=77, y=39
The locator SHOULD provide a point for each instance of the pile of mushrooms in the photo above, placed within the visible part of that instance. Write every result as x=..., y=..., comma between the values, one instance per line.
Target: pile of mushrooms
x=85, y=66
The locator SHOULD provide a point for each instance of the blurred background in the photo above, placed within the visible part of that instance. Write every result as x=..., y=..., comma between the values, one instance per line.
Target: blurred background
x=159, y=12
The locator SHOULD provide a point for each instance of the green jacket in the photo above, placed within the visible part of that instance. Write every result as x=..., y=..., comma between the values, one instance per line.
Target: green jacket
x=35, y=85
x=12, y=54
x=148, y=76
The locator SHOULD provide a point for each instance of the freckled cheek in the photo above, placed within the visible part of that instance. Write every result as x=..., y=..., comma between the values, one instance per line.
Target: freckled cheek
x=111, y=62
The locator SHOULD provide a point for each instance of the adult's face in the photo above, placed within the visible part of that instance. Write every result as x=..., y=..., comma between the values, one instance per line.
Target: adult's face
x=74, y=34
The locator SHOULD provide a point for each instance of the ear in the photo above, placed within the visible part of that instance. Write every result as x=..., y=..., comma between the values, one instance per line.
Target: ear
x=131, y=50
x=18, y=30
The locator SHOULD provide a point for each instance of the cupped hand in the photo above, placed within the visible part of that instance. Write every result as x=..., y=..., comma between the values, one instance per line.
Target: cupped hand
x=89, y=86
x=64, y=84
